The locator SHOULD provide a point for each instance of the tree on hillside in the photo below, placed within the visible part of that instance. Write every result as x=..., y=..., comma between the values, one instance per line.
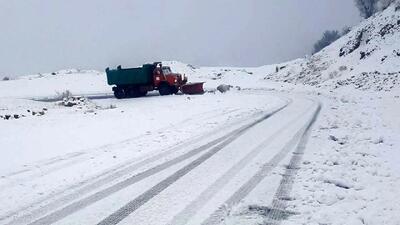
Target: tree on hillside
x=328, y=37
x=368, y=8
x=383, y=4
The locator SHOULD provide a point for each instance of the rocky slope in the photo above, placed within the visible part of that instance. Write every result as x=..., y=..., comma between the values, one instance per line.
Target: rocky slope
x=368, y=57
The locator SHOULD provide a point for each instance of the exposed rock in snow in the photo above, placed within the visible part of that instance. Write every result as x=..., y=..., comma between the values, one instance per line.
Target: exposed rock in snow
x=224, y=88
x=72, y=101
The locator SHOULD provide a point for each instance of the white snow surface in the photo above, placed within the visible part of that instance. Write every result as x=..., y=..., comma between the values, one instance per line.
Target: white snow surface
x=349, y=172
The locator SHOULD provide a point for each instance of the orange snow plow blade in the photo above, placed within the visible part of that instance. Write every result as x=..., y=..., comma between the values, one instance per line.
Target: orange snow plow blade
x=193, y=88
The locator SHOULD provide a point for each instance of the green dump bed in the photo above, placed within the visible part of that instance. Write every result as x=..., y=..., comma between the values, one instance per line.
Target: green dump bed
x=130, y=76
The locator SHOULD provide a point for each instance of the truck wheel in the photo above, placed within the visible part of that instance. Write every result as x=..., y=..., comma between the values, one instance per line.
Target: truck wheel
x=164, y=89
x=174, y=90
x=119, y=93
x=133, y=92
x=143, y=93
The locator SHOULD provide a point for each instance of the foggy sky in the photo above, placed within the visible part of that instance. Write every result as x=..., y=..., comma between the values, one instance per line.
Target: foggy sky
x=48, y=35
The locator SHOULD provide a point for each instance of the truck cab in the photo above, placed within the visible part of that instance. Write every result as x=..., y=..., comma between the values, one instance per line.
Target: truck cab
x=167, y=82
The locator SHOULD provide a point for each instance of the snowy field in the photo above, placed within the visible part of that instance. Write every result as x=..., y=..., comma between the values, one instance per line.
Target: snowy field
x=78, y=165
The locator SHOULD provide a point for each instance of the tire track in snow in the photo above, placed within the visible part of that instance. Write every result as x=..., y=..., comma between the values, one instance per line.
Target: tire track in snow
x=133, y=205
x=68, y=158
x=277, y=211
x=76, y=206
x=186, y=214
x=218, y=216
x=60, y=198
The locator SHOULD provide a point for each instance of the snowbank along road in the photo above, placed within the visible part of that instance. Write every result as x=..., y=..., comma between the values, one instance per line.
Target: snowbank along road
x=198, y=181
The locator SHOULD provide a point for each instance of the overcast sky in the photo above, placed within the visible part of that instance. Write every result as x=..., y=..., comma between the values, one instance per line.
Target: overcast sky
x=48, y=35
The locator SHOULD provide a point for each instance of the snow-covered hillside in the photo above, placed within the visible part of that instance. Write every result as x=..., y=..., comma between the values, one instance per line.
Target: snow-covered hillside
x=366, y=58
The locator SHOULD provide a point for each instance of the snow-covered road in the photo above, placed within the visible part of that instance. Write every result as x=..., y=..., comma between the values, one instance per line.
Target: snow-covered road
x=196, y=181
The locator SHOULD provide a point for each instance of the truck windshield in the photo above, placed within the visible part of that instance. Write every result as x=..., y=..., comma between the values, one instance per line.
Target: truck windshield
x=166, y=70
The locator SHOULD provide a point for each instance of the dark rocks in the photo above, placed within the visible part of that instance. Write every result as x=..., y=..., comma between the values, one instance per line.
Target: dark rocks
x=372, y=80
x=333, y=138
x=69, y=104
x=352, y=45
x=362, y=55
x=224, y=88
x=387, y=29
x=7, y=117
x=36, y=113
x=73, y=101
